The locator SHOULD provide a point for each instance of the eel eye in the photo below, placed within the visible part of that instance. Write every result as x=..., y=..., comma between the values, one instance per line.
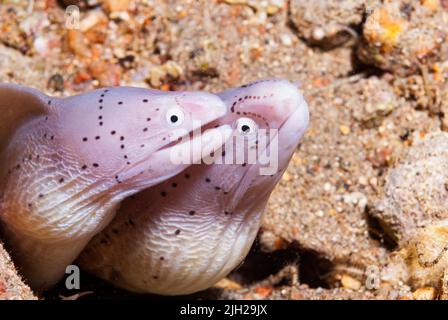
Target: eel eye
x=175, y=117
x=246, y=126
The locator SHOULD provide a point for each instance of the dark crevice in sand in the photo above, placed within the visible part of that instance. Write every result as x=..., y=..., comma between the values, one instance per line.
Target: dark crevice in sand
x=378, y=232
x=277, y=268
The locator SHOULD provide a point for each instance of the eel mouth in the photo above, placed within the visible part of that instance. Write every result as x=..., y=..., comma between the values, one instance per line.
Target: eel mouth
x=212, y=133
x=187, y=149
x=198, y=129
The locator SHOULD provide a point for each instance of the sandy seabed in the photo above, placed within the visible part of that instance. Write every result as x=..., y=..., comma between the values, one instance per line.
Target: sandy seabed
x=365, y=187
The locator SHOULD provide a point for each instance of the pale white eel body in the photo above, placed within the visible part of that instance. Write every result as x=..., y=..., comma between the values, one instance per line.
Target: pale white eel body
x=66, y=164
x=188, y=232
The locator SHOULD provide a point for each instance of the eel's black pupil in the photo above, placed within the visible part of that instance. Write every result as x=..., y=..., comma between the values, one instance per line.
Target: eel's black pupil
x=174, y=118
x=245, y=128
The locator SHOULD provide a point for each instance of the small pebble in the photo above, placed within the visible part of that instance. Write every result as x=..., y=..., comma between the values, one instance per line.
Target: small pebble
x=344, y=130
x=349, y=282
x=425, y=293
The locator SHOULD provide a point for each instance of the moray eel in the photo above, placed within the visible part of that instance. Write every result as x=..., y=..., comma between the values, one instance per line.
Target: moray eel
x=67, y=163
x=187, y=233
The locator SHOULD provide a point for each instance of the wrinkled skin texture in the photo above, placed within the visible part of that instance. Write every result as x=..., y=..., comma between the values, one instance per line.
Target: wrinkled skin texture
x=66, y=164
x=187, y=233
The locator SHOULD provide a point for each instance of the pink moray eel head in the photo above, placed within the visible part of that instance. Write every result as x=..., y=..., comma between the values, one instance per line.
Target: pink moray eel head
x=187, y=233
x=66, y=164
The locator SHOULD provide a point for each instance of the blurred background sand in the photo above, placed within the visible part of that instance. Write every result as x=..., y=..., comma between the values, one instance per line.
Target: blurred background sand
x=374, y=74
